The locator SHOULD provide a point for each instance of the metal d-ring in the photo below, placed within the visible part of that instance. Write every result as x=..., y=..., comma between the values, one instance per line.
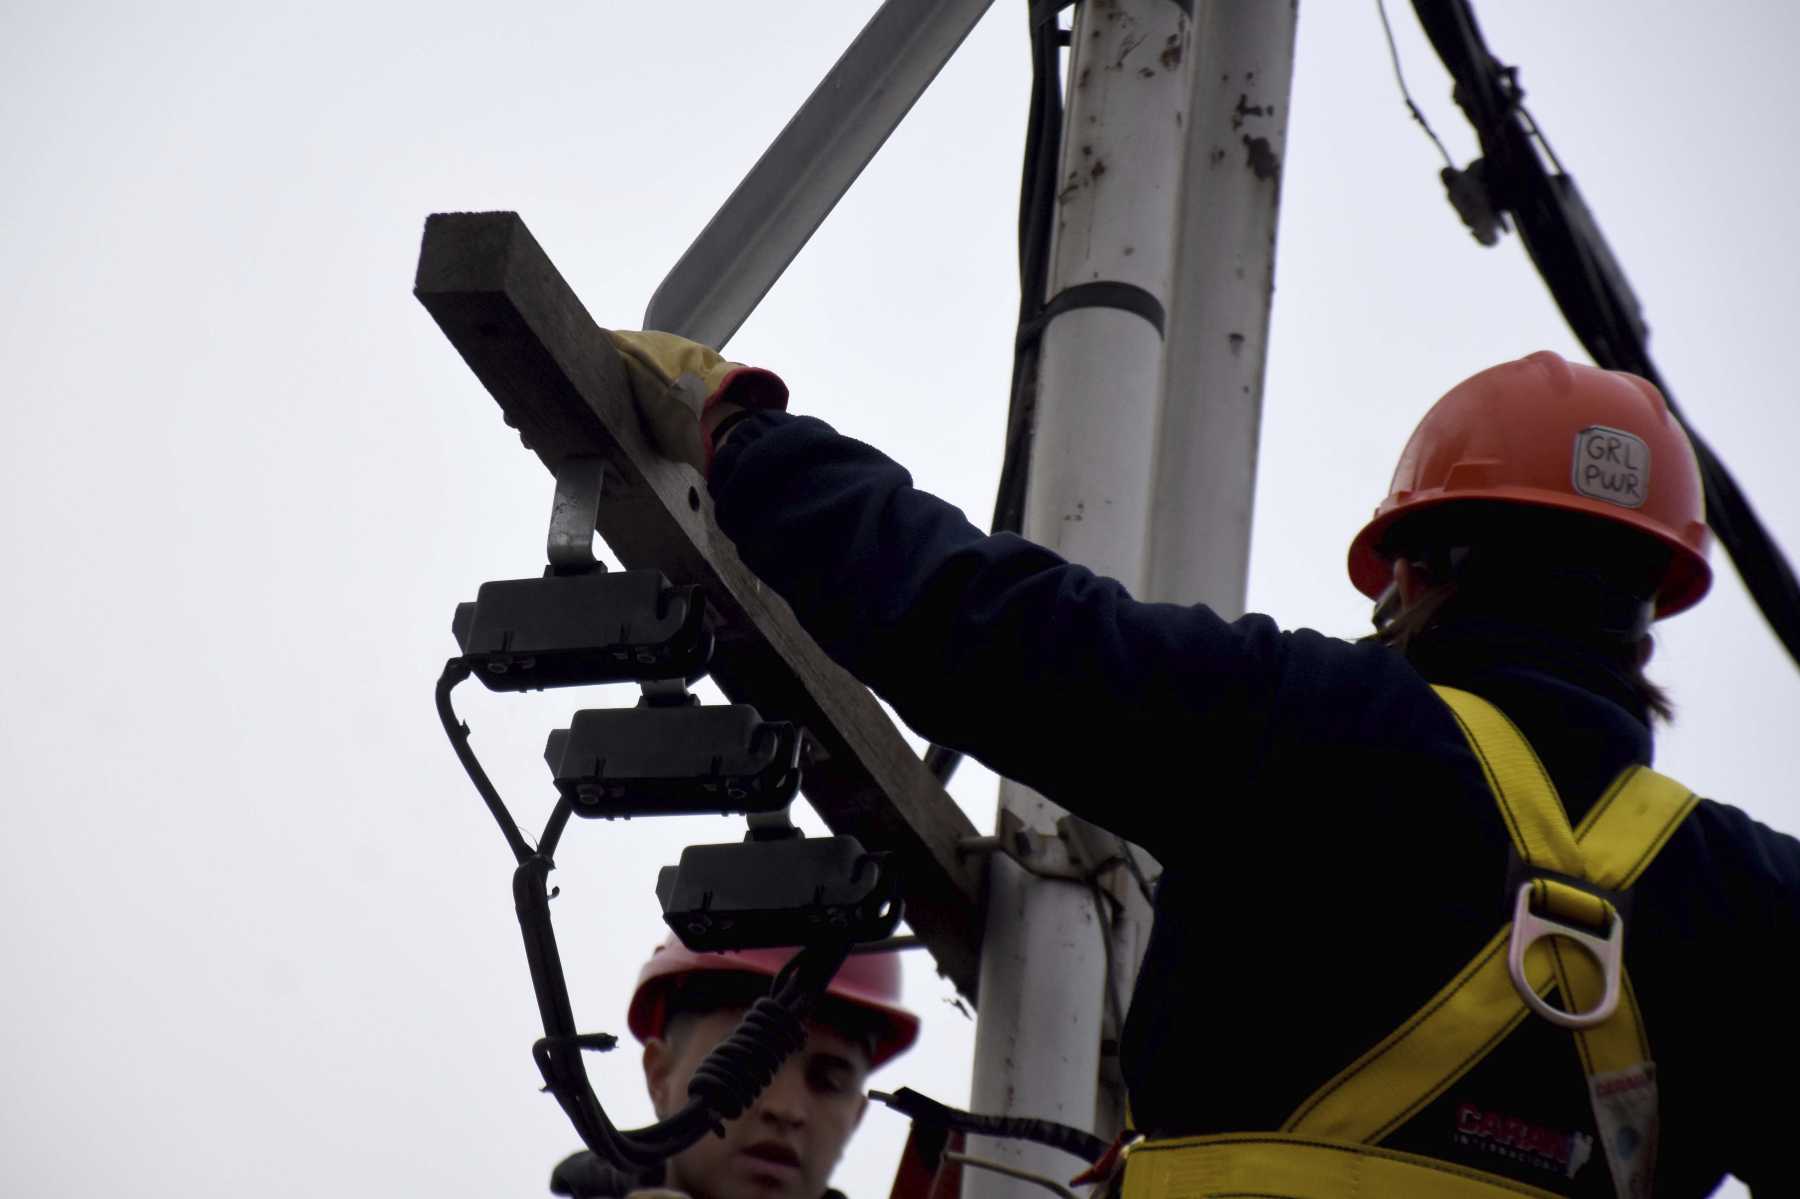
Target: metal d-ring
x=1608, y=952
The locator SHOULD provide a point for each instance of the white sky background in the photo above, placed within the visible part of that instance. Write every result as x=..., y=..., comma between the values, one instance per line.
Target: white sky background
x=259, y=935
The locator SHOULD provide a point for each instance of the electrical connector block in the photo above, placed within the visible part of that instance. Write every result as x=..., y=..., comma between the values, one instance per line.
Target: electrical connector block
x=573, y=630
x=675, y=761
x=769, y=894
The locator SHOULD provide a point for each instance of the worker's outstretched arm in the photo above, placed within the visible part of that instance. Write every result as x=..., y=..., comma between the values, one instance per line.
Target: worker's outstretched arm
x=993, y=645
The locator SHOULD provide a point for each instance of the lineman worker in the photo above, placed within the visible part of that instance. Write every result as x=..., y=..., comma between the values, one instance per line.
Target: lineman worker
x=787, y=1143
x=1358, y=837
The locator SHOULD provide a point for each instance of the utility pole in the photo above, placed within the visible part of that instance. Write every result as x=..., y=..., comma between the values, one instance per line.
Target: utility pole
x=1044, y=1009
x=1142, y=467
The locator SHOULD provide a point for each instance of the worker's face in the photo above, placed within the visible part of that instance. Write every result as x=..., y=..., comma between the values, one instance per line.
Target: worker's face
x=786, y=1144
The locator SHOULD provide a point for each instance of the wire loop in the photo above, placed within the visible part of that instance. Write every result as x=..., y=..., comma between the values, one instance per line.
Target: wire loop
x=731, y=1077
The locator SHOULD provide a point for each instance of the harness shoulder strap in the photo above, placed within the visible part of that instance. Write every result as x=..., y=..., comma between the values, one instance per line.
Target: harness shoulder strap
x=1475, y=1010
x=1529, y=806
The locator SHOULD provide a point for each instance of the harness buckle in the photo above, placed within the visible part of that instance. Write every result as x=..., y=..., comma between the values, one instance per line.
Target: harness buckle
x=1607, y=951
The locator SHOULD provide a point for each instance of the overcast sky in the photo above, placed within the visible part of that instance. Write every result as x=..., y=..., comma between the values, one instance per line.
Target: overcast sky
x=260, y=936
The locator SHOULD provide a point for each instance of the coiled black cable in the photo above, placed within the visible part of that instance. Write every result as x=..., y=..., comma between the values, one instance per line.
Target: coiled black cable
x=746, y=1061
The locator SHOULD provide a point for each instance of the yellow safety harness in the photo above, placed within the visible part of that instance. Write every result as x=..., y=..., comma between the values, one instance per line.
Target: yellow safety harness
x=1330, y=1147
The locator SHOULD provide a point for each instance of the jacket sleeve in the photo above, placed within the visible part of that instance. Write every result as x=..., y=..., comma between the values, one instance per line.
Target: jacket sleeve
x=1746, y=1007
x=1044, y=671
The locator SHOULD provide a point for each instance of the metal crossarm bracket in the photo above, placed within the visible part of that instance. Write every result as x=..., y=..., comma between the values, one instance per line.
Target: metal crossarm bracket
x=570, y=545
x=1043, y=855
x=1079, y=852
x=560, y=382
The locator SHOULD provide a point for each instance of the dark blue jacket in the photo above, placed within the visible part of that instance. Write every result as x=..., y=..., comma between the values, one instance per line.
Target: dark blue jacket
x=1300, y=791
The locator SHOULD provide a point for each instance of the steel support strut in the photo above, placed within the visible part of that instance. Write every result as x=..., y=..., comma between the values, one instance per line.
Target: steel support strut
x=808, y=167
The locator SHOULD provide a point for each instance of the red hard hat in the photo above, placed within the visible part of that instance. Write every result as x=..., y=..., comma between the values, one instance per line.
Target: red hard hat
x=1548, y=433
x=870, y=981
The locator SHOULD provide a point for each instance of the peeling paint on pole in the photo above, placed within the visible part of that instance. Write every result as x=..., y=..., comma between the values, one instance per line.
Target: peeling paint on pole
x=1260, y=158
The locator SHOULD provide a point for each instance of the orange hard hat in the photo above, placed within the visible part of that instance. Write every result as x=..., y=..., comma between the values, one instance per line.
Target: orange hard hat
x=1553, y=434
x=868, y=981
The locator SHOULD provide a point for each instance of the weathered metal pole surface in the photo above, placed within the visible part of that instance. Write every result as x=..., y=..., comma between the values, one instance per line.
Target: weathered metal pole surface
x=1044, y=961
x=1219, y=318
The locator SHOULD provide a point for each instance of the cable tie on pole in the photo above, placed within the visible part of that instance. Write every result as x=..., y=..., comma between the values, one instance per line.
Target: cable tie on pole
x=1127, y=297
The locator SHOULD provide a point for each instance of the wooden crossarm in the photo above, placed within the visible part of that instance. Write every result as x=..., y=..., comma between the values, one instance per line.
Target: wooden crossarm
x=559, y=381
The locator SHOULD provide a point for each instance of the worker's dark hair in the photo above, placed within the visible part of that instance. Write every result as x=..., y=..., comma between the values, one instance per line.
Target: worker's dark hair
x=1575, y=578
x=709, y=991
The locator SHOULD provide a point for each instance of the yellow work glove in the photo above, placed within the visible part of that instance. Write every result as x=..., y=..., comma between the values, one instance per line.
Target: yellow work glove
x=682, y=390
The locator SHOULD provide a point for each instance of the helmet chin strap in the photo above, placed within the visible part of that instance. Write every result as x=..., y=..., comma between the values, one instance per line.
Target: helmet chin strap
x=1569, y=599
x=1386, y=608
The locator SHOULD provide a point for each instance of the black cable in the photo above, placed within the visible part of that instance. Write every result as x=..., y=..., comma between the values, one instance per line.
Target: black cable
x=887, y=945
x=1589, y=287
x=1417, y=115
x=924, y=1110
x=725, y=1083
x=1145, y=887
x=455, y=671
x=1037, y=218
x=553, y=828
x=1106, y=910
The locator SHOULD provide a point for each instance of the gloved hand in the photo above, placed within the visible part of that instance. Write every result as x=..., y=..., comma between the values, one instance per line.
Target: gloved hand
x=683, y=389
